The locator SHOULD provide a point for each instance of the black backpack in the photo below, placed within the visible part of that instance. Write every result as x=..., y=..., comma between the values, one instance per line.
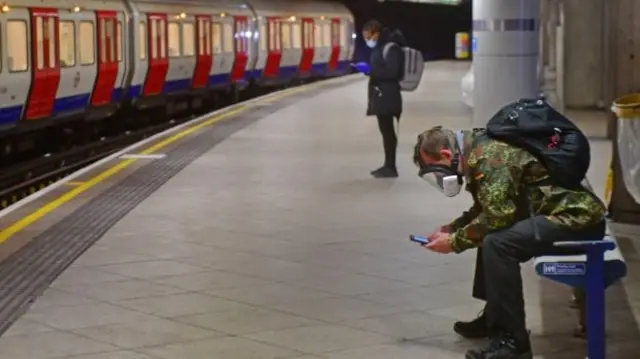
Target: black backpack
x=535, y=126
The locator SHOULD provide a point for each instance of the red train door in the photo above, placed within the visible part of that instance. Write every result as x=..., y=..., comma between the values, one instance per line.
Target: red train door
x=274, y=47
x=107, y=61
x=308, y=48
x=46, y=67
x=335, y=44
x=240, y=65
x=158, y=59
x=205, y=57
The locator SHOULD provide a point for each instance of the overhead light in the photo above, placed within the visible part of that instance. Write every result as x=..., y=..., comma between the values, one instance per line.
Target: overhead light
x=5, y=8
x=76, y=8
x=183, y=15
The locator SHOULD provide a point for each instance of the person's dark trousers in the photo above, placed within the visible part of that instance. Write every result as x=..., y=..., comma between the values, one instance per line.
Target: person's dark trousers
x=389, y=139
x=503, y=251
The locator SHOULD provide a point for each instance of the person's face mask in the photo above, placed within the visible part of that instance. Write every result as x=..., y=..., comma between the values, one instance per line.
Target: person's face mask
x=443, y=174
x=370, y=39
x=371, y=43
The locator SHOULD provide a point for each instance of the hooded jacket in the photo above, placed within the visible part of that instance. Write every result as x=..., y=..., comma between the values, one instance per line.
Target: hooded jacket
x=385, y=98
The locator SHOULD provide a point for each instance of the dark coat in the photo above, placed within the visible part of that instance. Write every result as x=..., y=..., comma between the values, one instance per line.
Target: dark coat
x=384, y=94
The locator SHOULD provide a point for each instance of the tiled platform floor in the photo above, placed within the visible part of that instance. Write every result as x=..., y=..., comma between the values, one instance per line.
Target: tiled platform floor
x=278, y=244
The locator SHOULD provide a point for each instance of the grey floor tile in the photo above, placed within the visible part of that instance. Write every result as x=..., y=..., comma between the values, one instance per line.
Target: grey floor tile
x=246, y=320
x=350, y=284
x=270, y=294
x=418, y=298
x=58, y=298
x=25, y=326
x=395, y=351
x=146, y=333
x=210, y=280
x=120, y=354
x=151, y=269
x=230, y=347
x=82, y=276
x=129, y=289
x=48, y=345
x=181, y=304
x=336, y=309
x=100, y=256
x=84, y=315
x=320, y=339
x=409, y=325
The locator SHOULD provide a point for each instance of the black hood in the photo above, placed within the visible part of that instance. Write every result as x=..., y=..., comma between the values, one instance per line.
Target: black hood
x=389, y=35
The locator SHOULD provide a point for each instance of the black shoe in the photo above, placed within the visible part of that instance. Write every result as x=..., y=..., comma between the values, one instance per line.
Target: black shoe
x=475, y=329
x=377, y=170
x=503, y=346
x=385, y=172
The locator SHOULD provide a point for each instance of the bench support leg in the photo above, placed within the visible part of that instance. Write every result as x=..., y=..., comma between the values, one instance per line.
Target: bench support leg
x=595, y=304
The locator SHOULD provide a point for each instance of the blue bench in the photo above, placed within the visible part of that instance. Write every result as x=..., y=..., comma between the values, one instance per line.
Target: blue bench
x=593, y=272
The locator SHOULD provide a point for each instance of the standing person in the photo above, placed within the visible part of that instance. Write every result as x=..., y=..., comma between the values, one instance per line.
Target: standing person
x=385, y=100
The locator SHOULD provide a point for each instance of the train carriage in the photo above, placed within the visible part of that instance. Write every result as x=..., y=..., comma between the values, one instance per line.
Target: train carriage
x=87, y=59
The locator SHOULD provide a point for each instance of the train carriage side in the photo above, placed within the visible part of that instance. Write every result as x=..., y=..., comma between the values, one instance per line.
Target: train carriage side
x=335, y=40
x=274, y=65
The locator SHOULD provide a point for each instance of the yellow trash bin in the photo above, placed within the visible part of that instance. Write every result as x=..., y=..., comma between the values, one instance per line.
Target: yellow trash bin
x=627, y=109
x=462, y=45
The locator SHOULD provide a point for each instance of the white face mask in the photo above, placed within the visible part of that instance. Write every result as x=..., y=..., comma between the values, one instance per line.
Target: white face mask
x=371, y=43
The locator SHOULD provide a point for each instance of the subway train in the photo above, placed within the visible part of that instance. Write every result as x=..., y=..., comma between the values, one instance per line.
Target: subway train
x=86, y=60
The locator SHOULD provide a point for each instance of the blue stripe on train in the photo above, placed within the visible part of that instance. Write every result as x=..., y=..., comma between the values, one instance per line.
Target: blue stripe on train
x=11, y=115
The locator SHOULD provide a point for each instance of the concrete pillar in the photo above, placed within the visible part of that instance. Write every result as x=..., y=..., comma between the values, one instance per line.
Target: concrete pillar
x=506, y=41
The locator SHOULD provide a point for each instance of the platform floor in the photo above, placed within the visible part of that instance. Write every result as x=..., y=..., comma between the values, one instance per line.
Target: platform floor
x=277, y=243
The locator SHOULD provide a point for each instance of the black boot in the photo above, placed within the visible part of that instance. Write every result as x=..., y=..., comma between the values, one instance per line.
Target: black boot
x=385, y=172
x=503, y=346
x=475, y=329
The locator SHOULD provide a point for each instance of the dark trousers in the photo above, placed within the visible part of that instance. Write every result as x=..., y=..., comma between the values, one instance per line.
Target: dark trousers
x=389, y=139
x=497, y=278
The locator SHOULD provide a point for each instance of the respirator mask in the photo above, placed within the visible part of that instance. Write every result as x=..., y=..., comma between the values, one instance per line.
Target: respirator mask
x=445, y=178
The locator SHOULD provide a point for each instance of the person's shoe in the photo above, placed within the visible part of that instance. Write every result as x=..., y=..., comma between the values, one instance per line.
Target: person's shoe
x=475, y=329
x=385, y=172
x=377, y=170
x=503, y=346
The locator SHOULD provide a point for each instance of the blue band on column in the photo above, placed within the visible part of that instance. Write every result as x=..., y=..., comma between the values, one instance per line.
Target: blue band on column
x=503, y=25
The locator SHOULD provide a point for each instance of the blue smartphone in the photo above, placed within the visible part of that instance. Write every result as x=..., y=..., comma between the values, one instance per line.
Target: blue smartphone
x=419, y=239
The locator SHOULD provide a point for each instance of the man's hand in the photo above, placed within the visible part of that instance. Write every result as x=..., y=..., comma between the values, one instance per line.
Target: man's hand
x=440, y=243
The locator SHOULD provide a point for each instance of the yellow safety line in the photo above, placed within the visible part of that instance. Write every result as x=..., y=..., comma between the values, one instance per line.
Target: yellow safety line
x=73, y=183
x=24, y=222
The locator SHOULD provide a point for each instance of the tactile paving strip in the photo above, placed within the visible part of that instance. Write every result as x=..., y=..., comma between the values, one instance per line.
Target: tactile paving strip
x=30, y=270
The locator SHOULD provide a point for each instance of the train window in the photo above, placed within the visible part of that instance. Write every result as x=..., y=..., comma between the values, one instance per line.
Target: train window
x=188, y=39
x=239, y=35
x=87, y=43
x=154, y=38
x=202, y=37
x=102, y=41
x=51, y=38
x=110, y=35
x=119, y=41
x=326, y=35
x=286, y=36
x=17, y=46
x=174, y=39
x=142, y=36
x=263, y=37
x=272, y=36
x=335, y=34
x=297, y=35
x=39, y=43
x=317, y=35
x=67, y=43
x=343, y=34
x=216, y=37
x=228, y=38
x=162, y=27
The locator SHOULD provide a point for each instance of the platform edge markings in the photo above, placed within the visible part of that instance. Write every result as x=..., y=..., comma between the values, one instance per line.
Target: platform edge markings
x=25, y=274
x=31, y=218
x=268, y=97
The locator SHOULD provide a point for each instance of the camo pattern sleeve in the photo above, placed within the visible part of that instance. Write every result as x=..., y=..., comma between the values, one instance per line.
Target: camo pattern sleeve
x=495, y=171
x=466, y=217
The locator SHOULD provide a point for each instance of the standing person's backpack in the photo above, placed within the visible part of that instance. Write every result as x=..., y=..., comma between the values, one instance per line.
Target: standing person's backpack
x=532, y=124
x=412, y=69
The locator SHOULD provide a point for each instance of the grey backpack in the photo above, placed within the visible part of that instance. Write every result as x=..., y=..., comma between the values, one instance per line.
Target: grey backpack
x=413, y=66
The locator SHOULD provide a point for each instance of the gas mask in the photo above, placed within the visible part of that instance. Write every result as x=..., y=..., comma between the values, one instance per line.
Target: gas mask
x=445, y=178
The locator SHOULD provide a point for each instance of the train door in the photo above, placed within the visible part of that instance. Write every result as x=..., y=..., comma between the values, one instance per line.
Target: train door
x=46, y=69
x=222, y=47
x=241, y=49
x=205, y=57
x=308, y=45
x=335, y=44
x=78, y=68
x=158, y=59
x=121, y=42
x=15, y=80
x=107, y=63
x=274, y=47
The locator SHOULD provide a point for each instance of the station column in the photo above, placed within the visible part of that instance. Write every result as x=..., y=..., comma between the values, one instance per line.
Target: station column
x=506, y=47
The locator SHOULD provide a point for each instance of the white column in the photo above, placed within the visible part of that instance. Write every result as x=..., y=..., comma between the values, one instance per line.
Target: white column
x=505, y=61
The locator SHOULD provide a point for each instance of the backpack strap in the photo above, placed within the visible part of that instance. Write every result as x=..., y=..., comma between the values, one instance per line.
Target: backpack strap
x=386, y=49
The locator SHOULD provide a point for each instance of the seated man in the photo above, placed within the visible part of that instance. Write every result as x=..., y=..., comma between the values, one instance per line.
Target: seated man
x=510, y=222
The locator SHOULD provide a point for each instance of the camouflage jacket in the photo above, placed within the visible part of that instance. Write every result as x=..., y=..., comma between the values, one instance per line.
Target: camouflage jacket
x=497, y=175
